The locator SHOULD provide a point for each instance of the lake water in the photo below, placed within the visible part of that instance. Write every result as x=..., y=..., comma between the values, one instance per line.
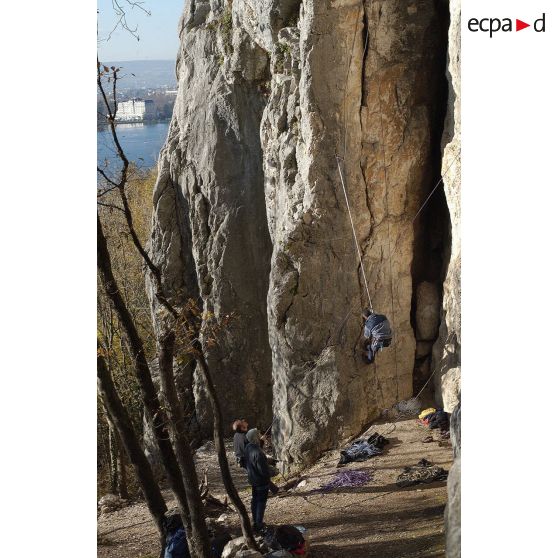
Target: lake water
x=141, y=143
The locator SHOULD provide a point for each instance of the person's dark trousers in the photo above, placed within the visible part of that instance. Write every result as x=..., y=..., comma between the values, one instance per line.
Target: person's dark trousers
x=259, y=501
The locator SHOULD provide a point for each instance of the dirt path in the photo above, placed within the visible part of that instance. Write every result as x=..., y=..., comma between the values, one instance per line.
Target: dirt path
x=377, y=520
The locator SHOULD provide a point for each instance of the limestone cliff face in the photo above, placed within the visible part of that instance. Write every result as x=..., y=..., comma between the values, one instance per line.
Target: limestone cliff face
x=358, y=80
x=447, y=352
x=210, y=232
x=250, y=214
x=453, y=507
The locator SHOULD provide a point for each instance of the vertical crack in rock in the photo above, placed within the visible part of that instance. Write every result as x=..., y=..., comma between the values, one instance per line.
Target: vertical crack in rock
x=432, y=225
x=397, y=161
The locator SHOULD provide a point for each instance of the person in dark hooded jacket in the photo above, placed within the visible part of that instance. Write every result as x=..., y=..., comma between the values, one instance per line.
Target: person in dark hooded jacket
x=240, y=427
x=258, y=476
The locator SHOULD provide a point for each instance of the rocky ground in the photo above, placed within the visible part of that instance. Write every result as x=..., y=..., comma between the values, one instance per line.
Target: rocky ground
x=377, y=520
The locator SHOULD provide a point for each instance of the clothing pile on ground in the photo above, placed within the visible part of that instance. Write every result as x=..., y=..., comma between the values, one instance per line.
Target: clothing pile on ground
x=361, y=450
x=285, y=540
x=351, y=478
x=422, y=472
x=435, y=418
x=176, y=545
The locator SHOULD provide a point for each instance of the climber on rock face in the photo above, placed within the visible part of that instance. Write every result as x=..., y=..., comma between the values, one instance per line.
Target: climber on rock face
x=377, y=334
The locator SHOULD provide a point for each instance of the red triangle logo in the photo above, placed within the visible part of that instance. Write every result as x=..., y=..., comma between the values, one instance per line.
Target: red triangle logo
x=519, y=25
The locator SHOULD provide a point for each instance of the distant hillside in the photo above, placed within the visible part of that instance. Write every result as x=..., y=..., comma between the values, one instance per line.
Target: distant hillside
x=147, y=73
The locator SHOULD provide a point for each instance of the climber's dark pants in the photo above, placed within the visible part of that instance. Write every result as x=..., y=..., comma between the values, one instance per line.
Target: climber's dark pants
x=259, y=501
x=369, y=353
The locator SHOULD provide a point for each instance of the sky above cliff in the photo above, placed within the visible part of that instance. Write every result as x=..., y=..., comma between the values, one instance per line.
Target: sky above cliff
x=157, y=32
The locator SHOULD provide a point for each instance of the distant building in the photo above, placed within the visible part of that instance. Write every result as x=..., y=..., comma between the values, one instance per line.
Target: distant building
x=136, y=110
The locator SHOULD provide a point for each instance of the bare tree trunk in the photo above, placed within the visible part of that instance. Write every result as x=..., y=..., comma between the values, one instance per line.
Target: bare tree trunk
x=118, y=477
x=218, y=434
x=121, y=470
x=153, y=412
x=113, y=452
x=123, y=424
x=199, y=539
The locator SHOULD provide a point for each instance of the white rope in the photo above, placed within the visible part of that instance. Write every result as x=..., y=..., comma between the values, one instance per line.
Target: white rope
x=425, y=384
x=357, y=246
x=437, y=184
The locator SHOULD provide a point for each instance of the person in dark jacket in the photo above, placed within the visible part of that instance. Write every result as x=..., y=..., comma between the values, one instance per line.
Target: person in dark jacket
x=258, y=476
x=240, y=427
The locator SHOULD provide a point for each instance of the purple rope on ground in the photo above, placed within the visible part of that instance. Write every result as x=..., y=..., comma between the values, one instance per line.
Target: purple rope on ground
x=351, y=478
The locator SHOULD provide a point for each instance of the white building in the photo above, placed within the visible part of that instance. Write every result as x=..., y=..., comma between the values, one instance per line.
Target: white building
x=135, y=110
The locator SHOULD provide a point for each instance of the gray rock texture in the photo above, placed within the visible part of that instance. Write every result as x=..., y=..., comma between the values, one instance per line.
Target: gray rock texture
x=447, y=353
x=451, y=388
x=453, y=507
x=447, y=350
x=250, y=214
x=428, y=312
x=210, y=232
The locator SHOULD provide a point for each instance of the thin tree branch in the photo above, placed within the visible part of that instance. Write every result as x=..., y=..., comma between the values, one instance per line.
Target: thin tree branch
x=101, y=70
x=109, y=180
x=122, y=22
x=110, y=206
x=107, y=191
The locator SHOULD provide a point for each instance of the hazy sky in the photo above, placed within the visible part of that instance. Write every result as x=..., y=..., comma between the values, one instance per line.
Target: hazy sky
x=158, y=32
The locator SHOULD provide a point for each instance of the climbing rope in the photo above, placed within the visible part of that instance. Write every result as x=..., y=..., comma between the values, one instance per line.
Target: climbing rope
x=357, y=246
x=425, y=384
x=437, y=184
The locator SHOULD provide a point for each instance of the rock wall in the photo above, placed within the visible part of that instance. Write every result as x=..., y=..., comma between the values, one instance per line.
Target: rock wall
x=447, y=351
x=209, y=229
x=447, y=354
x=453, y=507
x=359, y=81
x=250, y=213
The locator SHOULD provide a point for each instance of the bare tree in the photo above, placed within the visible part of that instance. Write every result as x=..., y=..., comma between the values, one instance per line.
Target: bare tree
x=183, y=486
x=182, y=478
x=121, y=421
x=179, y=437
x=192, y=327
x=118, y=480
x=187, y=327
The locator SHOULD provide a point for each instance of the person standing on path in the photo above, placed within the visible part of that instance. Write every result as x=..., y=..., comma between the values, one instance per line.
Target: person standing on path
x=258, y=477
x=240, y=427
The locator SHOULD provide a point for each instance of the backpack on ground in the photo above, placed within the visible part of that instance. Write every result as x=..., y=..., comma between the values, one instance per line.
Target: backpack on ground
x=284, y=537
x=177, y=546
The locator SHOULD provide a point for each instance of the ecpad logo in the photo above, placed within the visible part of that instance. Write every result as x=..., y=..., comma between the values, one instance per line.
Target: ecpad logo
x=493, y=25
